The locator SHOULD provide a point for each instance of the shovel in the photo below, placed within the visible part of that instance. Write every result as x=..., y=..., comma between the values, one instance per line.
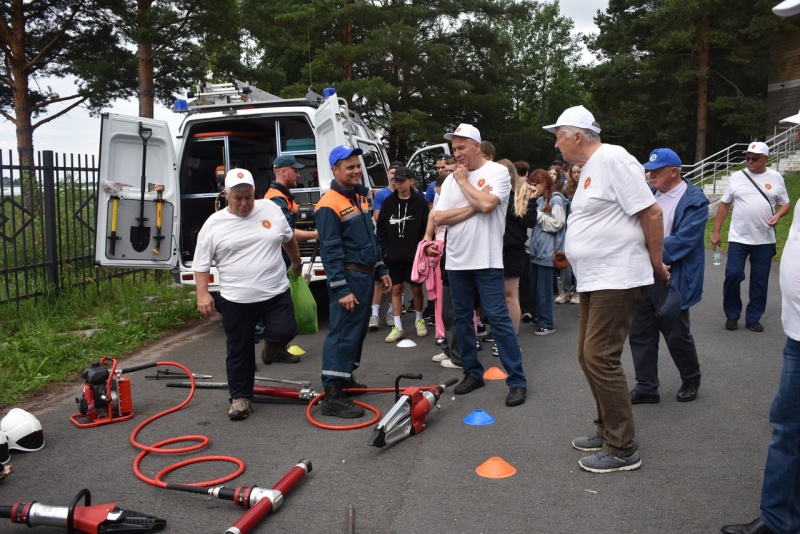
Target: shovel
x=140, y=235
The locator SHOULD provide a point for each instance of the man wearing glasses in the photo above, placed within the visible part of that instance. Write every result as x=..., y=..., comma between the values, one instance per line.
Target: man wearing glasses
x=760, y=197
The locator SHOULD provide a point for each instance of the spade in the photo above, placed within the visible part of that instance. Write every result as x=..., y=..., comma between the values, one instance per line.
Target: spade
x=140, y=235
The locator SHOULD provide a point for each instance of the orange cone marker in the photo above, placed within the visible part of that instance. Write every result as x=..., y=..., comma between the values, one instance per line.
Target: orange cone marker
x=495, y=467
x=493, y=373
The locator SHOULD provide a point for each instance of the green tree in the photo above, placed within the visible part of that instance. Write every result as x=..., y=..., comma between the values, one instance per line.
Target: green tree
x=412, y=68
x=546, y=78
x=691, y=74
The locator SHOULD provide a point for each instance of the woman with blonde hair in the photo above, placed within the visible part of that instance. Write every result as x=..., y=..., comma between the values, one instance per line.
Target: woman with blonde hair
x=520, y=215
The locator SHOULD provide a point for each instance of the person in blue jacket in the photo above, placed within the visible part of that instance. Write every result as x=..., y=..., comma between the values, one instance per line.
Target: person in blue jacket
x=353, y=259
x=685, y=209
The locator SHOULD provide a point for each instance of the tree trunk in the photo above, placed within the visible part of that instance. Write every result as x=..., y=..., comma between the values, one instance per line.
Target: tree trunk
x=146, y=86
x=22, y=105
x=702, y=91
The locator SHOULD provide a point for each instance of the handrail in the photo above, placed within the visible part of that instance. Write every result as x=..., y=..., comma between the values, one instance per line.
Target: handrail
x=717, y=165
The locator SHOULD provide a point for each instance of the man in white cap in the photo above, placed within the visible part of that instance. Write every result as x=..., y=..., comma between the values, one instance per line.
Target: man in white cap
x=614, y=244
x=760, y=199
x=472, y=205
x=245, y=242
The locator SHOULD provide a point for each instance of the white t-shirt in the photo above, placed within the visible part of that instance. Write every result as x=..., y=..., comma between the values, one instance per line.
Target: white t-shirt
x=605, y=242
x=247, y=252
x=790, y=279
x=477, y=243
x=750, y=210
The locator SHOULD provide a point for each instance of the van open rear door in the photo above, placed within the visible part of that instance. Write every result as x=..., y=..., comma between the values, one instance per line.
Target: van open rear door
x=138, y=206
x=330, y=132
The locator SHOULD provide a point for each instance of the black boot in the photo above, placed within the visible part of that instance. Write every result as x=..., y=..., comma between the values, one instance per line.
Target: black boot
x=335, y=403
x=270, y=354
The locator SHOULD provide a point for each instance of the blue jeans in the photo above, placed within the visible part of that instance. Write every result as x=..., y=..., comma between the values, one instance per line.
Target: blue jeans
x=490, y=286
x=760, y=264
x=542, y=289
x=341, y=350
x=780, y=493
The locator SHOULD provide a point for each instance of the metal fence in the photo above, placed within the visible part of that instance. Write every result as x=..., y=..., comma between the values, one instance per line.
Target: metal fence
x=47, y=226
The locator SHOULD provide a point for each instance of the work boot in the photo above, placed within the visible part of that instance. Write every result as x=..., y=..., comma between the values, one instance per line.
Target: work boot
x=335, y=404
x=270, y=354
x=353, y=383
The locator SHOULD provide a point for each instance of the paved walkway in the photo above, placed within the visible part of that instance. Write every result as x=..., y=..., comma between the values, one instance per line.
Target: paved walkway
x=702, y=461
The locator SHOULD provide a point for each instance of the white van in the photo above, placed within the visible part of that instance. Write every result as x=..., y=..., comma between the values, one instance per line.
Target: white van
x=155, y=196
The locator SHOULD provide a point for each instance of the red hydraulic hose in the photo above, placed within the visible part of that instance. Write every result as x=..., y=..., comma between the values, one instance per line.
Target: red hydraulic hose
x=374, y=410
x=202, y=441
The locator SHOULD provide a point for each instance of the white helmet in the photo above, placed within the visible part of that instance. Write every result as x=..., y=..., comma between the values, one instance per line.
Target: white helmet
x=23, y=430
x=4, y=454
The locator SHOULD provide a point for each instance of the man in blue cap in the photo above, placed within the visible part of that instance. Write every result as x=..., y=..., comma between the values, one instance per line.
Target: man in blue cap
x=353, y=260
x=685, y=212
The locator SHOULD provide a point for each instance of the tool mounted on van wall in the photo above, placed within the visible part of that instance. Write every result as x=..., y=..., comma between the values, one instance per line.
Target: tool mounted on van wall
x=159, y=189
x=140, y=235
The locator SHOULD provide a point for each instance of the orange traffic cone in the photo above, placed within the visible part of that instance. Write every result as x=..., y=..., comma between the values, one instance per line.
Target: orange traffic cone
x=493, y=373
x=495, y=467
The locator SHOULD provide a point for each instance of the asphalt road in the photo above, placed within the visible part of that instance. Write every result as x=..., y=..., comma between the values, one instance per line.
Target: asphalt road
x=702, y=461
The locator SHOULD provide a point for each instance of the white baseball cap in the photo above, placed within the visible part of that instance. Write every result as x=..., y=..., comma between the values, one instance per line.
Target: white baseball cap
x=577, y=116
x=464, y=130
x=757, y=147
x=237, y=177
x=787, y=8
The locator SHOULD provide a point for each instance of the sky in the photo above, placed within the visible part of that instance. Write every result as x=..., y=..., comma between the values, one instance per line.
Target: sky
x=78, y=133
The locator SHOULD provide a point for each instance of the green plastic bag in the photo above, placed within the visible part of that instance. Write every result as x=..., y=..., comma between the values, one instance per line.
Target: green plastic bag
x=305, y=307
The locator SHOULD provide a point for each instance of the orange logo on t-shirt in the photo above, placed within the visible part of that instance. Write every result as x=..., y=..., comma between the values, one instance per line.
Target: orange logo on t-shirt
x=587, y=182
x=266, y=224
x=767, y=186
x=481, y=182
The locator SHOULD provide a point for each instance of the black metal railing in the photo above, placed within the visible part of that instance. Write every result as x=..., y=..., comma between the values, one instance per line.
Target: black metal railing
x=47, y=226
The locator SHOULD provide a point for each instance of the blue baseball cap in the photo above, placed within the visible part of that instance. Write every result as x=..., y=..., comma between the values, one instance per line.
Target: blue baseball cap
x=662, y=157
x=343, y=152
x=287, y=161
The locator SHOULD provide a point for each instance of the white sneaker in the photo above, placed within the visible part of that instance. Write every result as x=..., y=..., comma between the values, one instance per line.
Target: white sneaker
x=576, y=298
x=448, y=363
x=389, y=319
x=562, y=298
x=374, y=323
x=395, y=335
x=440, y=357
x=422, y=330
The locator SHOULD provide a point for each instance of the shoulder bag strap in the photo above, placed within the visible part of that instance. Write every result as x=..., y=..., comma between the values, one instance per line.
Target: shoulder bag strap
x=760, y=191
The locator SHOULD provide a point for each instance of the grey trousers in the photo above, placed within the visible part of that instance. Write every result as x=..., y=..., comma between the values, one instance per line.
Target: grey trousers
x=644, y=339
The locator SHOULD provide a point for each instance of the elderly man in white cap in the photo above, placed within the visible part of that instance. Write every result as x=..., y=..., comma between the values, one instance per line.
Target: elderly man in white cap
x=614, y=244
x=760, y=198
x=472, y=205
x=245, y=241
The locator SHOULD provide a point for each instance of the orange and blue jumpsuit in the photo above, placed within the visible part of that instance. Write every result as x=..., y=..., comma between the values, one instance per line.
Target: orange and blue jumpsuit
x=353, y=260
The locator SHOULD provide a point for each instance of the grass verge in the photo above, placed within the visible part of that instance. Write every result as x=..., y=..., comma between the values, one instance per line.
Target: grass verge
x=53, y=338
